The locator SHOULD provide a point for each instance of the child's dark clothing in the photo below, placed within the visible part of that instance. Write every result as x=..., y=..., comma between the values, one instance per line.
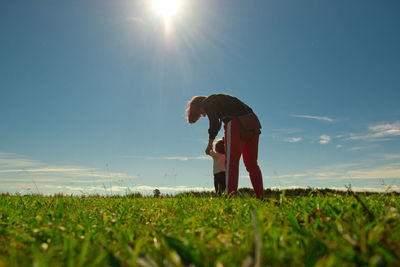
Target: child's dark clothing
x=219, y=182
x=219, y=171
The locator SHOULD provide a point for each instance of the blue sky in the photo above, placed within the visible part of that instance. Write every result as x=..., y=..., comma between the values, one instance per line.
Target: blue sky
x=93, y=93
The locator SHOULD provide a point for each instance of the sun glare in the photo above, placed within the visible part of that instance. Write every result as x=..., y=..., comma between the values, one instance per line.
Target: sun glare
x=167, y=8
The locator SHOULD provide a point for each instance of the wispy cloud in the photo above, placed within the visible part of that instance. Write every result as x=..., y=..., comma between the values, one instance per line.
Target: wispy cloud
x=65, y=172
x=184, y=158
x=282, y=134
x=179, y=158
x=344, y=172
x=377, y=132
x=384, y=172
x=361, y=148
x=325, y=174
x=324, y=139
x=387, y=129
x=293, y=175
x=293, y=139
x=11, y=160
x=17, y=167
x=392, y=156
x=321, y=118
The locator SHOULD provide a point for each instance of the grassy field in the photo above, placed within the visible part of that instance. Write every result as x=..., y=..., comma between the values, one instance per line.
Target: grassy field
x=311, y=230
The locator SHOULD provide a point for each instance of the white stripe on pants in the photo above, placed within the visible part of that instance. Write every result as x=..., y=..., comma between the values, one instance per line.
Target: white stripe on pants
x=228, y=153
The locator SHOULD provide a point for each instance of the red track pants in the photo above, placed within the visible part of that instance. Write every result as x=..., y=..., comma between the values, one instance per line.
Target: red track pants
x=235, y=146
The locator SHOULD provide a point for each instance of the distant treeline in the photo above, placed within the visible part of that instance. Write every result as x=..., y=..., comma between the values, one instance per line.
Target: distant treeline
x=242, y=192
x=294, y=192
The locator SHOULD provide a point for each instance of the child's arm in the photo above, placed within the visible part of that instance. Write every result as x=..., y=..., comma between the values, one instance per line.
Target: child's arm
x=212, y=154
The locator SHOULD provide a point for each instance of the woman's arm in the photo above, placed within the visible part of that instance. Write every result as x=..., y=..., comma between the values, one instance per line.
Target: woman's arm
x=210, y=108
x=209, y=146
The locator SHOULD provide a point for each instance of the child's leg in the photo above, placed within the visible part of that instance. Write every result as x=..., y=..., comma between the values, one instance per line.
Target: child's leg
x=250, y=154
x=216, y=185
x=219, y=182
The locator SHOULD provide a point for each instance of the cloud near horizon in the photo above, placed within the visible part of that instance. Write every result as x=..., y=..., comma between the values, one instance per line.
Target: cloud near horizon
x=179, y=158
x=184, y=158
x=121, y=190
x=50, y=189
x=18, y=168
x=389, y=169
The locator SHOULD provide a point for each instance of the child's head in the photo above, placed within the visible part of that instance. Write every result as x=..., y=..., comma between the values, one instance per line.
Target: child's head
x=220, y=146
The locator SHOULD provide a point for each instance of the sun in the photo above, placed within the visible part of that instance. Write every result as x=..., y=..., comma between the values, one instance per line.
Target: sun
x=167, y=8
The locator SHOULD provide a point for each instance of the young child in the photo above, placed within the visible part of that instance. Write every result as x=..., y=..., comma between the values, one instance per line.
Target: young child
x=219, y=166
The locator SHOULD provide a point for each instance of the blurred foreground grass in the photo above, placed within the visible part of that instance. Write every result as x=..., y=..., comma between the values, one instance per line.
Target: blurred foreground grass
x=313, y=230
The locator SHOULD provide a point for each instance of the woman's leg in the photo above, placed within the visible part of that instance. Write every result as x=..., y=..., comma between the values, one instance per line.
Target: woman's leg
x=250, y=155
x=233, y=150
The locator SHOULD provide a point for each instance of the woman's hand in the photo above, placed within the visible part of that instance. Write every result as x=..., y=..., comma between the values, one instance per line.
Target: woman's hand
x=209, y=146
x=208, y=149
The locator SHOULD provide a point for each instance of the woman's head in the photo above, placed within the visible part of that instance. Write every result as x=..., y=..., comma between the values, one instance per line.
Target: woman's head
x=195, y=109
x=220, y=146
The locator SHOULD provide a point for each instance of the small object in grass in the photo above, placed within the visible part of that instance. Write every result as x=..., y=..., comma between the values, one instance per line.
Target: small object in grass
x=44, y=246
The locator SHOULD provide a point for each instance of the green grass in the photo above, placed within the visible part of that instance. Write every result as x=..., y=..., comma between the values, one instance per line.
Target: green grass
x=313, y=230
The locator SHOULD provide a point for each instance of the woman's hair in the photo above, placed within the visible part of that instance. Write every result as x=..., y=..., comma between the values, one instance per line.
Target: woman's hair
x=194, y=109
x=220, y=146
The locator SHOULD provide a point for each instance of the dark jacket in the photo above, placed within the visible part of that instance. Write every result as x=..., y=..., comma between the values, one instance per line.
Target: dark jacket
x=222, y=108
